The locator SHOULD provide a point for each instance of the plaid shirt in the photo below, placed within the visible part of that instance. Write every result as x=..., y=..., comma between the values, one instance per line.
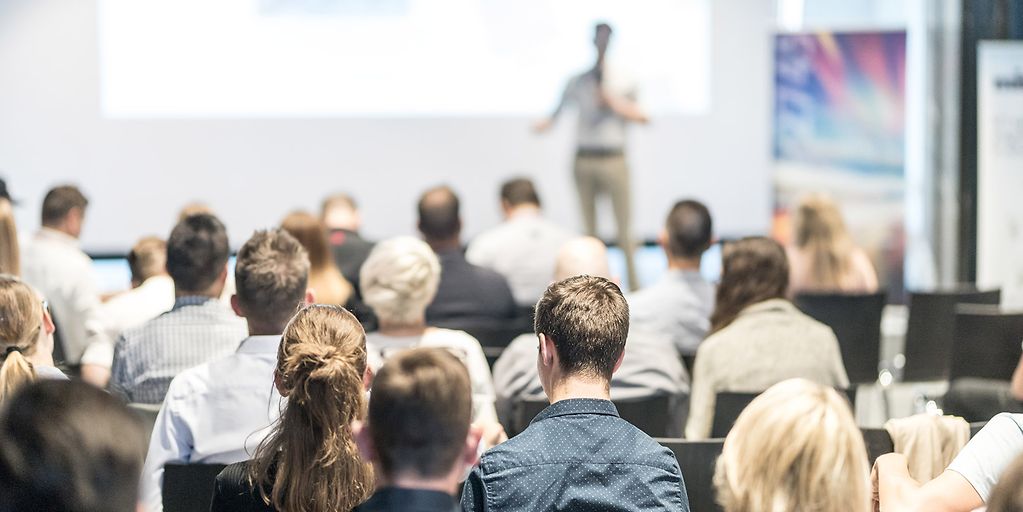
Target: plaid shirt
x=195, y=331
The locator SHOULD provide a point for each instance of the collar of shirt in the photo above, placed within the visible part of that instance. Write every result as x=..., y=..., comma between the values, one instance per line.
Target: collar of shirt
x=778, y=305
x=46, y=233
x=192, y=300
x=577, y=406
x=263, y=344
x=394, y=498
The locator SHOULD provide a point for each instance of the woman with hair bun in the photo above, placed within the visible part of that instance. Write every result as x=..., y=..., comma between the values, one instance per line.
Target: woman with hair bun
x=309, y=463
x=26, y=337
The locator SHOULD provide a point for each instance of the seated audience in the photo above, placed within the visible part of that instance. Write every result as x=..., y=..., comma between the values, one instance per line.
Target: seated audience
x=522, y=248
x=578, y=454
x=467, y=294
x=340, y=215
x=1007, y=495
x=650, y=367
x=824, y=258
x=398, y=280
x=795, y=447
x=218, y=412
x=758, y=338
x=68, y=447
x=325, y=279
x=10, y=256
x=199, y=328
x=53, y=264
x=977, y=399
x=417, y=433
x=309, y=462
x=680, y=304
x=965, y=485
x=26, y=337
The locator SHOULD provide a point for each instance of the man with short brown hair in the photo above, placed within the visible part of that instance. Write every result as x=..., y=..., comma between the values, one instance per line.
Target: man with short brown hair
x=418, y=435
x=578, y=450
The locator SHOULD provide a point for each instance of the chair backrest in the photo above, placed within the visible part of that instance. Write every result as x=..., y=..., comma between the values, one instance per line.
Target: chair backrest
x=489, y=332
x=59, y=354
x=856, y=321
x=189, y=487
x=697, y=460
x=146, y=414
x=986, y=342
x=930, y=328
x=492, y=354
x=649, y=414
x=728, y=405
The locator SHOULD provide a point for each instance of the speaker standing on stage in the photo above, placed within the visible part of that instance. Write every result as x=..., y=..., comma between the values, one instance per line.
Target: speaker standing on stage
x=604, y=110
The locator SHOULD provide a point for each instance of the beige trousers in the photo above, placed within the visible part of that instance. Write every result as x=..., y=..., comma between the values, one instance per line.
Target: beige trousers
x=597, y=175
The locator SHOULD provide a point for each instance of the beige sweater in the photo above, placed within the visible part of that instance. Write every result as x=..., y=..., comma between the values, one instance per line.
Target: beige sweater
x=767, y=343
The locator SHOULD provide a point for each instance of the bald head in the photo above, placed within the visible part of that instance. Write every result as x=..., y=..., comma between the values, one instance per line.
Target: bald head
x=340, y=211
x=438, y=216
x=582, y=256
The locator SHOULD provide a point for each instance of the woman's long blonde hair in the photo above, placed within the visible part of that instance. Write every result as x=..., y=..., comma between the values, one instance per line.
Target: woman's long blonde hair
x=309, y=463
x=10, y=262
x=821, y=233
x=21, y=320
x=795, y=447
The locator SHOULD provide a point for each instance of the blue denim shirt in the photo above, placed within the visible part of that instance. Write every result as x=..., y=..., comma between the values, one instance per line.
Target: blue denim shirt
x=577, y=455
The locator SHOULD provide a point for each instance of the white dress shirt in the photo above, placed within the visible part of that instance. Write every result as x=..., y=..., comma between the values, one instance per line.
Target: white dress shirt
x=523, y=249
x=379, y=347
x=214, y=413
x=678, y=306
x=53, y=263
x=128, y=310
x=599, y=127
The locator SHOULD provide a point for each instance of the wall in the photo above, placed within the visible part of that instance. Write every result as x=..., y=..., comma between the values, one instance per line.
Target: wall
x=138, y=173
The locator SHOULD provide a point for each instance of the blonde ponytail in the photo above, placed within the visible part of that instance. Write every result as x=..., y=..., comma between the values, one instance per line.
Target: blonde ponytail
x=15, y=372
x=309, y=462
x=21, y=320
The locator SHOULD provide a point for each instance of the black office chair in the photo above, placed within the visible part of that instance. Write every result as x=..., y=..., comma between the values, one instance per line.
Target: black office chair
x=492, y=354
x=856, y=320
x=189, y=487
x=986, y=342
x=651, y=415
x=930, y=328
x=728, y=405
x=697, y=460
x=490, y=333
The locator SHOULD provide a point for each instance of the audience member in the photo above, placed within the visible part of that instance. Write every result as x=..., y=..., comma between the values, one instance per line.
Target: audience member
x=648, y=367
x=26, y=337
x=417, y=434
x=523, y=247
x=467, y=294
x=340, y=215
x=199, y=328
x=824, y=258
x=218, y=412
x=325, y=279
x=1007, y=495
x=10, y=257
x=976, y=399
x=399, y=279
x=795, y=447
x=54, y=265
x=578, y=454
x=309, y=462
x=757, y=337
x=68, y=447
x=965, y=485
x=680, y=304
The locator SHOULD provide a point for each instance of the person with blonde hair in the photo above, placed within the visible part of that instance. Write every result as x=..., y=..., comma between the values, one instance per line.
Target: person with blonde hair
x=795, y=447
x=824, y=258
x=10, y=257
x=26, y=337
x=325, y=279
x=399, y=280
x=309, y=462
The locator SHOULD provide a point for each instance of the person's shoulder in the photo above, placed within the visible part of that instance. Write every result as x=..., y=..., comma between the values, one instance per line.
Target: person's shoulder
x=449, y=337
x=1007, y=421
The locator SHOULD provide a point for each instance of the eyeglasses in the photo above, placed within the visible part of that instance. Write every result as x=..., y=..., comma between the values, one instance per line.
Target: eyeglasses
x=46, y=306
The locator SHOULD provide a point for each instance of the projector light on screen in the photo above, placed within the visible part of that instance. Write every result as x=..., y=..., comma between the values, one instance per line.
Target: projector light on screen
x=390, y=58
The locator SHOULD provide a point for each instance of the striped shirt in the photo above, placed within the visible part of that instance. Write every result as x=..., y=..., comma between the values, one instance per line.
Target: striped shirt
x=195, y=331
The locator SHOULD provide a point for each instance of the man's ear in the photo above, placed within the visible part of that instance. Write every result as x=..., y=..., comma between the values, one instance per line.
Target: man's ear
x=367, y=378
x=364, y=441
x=222, y=278
x=48, y=326
x=236, y=306
x=470, y=453
x=662, y=238
x=548, y=353
x=618, y=363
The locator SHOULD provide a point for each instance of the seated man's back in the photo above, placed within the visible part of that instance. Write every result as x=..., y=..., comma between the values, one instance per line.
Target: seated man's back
x=469, y=292
x=577, y=455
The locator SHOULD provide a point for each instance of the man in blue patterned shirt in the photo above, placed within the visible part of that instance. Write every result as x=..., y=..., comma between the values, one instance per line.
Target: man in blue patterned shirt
x=198, y=329
x=578, y=454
